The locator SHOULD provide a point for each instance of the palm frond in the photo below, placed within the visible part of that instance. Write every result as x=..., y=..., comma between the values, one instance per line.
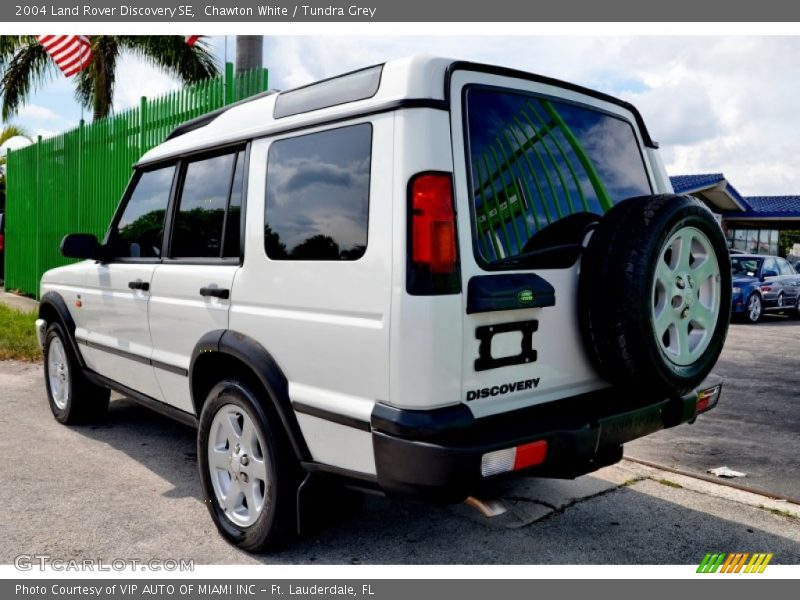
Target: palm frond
x=30, y=67
x=11, y=44
x=10, y=131
x=172, y=54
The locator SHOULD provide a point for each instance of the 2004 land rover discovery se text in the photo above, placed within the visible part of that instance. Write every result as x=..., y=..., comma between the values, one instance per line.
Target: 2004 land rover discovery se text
x=414, y=279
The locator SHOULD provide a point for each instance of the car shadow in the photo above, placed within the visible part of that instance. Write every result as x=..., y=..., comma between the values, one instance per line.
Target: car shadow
x=596, y=530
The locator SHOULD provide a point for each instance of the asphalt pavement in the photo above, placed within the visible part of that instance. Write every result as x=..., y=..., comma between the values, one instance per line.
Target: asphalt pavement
x=128, y=488
x=755, y=429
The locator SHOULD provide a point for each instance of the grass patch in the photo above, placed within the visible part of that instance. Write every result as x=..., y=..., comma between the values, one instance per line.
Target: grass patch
x=17, y=335
x=669, y=483
x=780, y=513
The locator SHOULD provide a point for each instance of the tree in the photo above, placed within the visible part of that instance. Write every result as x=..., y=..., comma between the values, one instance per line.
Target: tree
x=8, y=132
x=249, y=52
x=25, y=66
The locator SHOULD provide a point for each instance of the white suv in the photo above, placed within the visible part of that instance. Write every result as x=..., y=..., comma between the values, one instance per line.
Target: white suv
x=413, y=278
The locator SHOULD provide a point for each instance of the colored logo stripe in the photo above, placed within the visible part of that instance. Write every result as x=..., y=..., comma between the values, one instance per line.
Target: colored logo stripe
x=735, y=562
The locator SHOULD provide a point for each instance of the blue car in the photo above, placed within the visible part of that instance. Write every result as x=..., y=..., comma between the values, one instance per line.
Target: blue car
x=763, y=284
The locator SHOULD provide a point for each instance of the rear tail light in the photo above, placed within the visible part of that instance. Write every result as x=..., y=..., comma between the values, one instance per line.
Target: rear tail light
x=432, y=250
x=513, y=459
x=707, y=399
x=765, y=288
x=2, y=242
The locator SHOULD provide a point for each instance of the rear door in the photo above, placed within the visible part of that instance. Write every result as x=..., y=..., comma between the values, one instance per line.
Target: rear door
x=533, y=163
x=191, y=288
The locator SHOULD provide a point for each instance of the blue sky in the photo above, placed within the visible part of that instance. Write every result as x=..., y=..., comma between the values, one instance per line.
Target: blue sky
x=715, y=103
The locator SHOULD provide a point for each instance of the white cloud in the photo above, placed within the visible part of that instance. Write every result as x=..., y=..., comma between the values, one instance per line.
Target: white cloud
x=35, y=112
x=716, y=104
x=137, y=78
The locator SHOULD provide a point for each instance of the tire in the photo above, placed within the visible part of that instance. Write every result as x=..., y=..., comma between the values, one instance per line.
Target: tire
x=781, y=302
x=651, y=316
x=266, y=519
x=73, y=399
x=754, y=309
x=796, y=311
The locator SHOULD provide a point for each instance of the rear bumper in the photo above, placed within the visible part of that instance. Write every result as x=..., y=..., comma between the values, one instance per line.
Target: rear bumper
x=436, y=455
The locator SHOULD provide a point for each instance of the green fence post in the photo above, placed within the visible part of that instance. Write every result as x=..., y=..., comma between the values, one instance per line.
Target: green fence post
x=79, y=196
x=228, y=90
x=264, y=79
x=37, y=254
x=142, y=124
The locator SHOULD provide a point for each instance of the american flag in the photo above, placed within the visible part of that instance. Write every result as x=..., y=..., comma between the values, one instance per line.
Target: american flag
x=192, y=39
x=72, y=53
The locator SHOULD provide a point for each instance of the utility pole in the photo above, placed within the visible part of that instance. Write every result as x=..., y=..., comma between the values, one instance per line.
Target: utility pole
x=249, y=52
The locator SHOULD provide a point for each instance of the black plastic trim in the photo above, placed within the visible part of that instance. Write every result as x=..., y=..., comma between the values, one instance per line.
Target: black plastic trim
x=527, y=353
x=489, y=293
x=442, y=462
x=264, y=367
x=524, y=75
x=348, y=474
x=58, y=304
x=143, y=399
x=135, y=357
x=331, y=416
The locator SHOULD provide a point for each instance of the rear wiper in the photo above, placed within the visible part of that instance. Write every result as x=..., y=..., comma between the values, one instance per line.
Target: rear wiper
x=554, y=257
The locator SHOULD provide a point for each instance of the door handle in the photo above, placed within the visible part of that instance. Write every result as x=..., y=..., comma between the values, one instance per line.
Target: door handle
x=139, y=285
x=223, y=293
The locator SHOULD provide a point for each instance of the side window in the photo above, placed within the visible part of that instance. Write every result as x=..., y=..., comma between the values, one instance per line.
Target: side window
x=317, y=198
x=140, y=229
x=200, y=219
x=769, y=265
x=784, y=267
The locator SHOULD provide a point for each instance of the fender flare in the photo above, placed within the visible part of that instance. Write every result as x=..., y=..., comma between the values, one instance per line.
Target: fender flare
x=56, y=302
x=265, y=368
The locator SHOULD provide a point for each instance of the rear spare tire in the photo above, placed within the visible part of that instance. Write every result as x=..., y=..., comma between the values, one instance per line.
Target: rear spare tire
x=654, y=293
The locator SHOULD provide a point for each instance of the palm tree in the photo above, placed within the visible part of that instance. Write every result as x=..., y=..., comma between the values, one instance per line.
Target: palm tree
x=25, y=65
x=8, y=132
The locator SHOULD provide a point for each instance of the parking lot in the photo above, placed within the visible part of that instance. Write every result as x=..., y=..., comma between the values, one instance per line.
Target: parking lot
x=129, y=488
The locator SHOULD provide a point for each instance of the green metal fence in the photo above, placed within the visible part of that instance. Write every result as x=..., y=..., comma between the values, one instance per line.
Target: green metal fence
x=72, y=182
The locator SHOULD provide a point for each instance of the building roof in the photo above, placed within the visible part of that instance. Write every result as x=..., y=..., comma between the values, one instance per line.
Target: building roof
x=707, y=185
x=714, y=187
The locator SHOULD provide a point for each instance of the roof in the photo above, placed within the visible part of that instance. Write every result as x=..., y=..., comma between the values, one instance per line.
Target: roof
x=415, y=81
x=711, y=183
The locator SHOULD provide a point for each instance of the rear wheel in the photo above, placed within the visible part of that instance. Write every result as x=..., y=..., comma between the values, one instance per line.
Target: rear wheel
x=655, y=292
x=248, y=471
x=754, y=308
x=73, y=398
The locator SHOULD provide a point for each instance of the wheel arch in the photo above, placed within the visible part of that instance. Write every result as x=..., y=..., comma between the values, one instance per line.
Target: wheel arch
x=224, y=352
x=53, y=308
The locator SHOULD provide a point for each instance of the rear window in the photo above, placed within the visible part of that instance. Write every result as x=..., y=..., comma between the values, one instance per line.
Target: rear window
x=534, y=160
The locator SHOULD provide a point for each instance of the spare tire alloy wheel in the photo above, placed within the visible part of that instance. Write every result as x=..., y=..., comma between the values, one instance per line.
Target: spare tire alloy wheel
x=654, y=294
x=686, y=296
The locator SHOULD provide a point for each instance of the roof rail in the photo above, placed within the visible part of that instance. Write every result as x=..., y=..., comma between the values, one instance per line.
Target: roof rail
x=207, y=118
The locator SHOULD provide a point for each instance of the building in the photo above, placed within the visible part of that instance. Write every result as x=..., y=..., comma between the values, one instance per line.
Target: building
x=751, y=223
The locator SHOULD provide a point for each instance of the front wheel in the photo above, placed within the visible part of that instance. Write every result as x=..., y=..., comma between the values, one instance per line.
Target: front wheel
x=754, y=309
x=247, y=469
x=73, y=399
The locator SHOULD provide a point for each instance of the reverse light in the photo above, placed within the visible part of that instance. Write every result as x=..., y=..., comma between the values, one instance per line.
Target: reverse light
x=433, y=253
x=513, y=459
x=737, y=290
x=707, y=399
